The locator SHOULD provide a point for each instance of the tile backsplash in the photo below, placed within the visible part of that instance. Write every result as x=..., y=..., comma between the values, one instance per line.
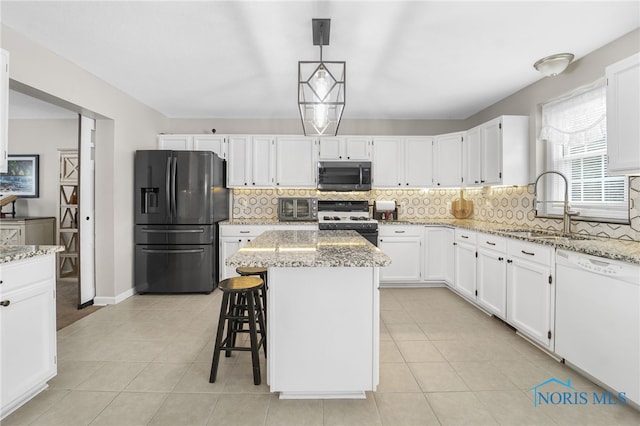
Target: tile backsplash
x=511, y=206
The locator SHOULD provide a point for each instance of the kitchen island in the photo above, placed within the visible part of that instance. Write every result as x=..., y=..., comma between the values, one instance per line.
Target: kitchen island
x=324, y=314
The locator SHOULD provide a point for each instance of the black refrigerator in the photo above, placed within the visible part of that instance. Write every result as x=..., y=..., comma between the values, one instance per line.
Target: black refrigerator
x=180, y=196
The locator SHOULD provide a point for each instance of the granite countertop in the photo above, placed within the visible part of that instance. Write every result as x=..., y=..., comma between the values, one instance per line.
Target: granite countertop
x=269, y=222
x=309, y=249
x=610, y=248
x=12, y=253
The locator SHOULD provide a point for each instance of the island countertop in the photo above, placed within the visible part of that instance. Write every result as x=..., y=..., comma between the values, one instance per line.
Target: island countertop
x=12, y=253
x=309, y=249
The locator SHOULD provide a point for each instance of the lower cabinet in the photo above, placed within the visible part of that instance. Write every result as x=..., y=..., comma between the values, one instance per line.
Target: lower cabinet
x=404, y=245
x=491, y=280
x=465, y=261
x=530, y=291
x=438, y=262
x=28, y=330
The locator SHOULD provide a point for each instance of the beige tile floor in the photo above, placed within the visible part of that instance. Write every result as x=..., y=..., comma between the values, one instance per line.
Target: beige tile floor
x=146, y=361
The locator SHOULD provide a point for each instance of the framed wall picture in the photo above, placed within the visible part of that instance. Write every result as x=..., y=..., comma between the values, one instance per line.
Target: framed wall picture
x=22, y=176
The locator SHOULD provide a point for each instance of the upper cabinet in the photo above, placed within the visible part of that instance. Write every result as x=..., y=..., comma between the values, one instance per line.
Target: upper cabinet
x=215, y=143
x=495, y=152
x=251, y=161
x=623, y=110
x=447, y=159
x=4, y=109
x=402, y=162
x=352, y=148
x=296, y=162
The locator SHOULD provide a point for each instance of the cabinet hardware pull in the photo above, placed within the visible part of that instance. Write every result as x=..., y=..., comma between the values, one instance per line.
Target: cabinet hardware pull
x=490, y=243
x=399, y=232
x=529, y=253
x=464, y=236
x=244, y=232
x=509, y=261
x=501, y=258
x=5, y=303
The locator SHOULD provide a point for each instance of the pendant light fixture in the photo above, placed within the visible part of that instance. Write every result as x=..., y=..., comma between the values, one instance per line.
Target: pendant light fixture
x=554, y=64
x=321, y=87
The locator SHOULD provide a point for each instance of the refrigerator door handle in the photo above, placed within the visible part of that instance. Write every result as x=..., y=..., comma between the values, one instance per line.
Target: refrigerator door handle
x=174, y=195
x=176, y=251
x=172, y=231
x=168, y=186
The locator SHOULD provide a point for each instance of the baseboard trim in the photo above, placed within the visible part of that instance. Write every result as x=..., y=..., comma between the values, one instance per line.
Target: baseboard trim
x=103, y=301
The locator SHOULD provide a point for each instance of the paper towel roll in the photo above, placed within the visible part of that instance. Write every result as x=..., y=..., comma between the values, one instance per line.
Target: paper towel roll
x=385, y=206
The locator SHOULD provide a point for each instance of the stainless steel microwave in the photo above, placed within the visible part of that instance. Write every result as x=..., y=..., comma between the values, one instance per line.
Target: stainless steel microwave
x=344, y=175
x=297, y=208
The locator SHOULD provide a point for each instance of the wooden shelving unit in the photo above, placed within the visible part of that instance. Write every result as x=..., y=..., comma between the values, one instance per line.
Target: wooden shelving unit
x=68, y=215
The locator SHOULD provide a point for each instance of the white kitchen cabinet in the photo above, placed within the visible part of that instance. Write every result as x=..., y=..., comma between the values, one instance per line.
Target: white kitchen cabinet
x=403, y=243
x=491, y=280
x=251, y=161
x=233, y=238
x=28, y=329
x=352, y=148
x=296, y=162
x=465, y=263
x=179, y=142
x=402, y=162
x=4, y=109
x=27, y=231
x=623, y=110
x=496, y=152
x=438, y=262
x=387, y=158
x=530, y=291
x=447, y=159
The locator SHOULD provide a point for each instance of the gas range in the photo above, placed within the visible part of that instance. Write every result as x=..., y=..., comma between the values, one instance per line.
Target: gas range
x=345, y=215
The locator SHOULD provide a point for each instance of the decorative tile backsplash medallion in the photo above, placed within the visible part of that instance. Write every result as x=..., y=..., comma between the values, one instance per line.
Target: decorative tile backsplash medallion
x=511, y=206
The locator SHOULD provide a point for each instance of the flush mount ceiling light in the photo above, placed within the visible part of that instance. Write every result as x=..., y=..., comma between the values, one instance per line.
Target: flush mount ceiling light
x=554, y=64
x=321, y=87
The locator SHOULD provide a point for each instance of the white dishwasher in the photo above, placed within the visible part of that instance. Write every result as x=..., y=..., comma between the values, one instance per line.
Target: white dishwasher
x=598, y=319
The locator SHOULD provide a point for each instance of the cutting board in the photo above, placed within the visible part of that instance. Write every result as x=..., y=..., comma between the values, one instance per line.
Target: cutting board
x=461, y=208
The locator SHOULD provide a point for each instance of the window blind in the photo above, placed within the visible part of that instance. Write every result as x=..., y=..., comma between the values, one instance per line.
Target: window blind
x=575, y=131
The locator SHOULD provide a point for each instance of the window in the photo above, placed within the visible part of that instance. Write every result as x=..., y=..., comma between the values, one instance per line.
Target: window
x=575, y=130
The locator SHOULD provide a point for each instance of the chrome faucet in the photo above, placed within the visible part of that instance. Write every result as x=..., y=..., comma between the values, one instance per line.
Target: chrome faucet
x=566, y=211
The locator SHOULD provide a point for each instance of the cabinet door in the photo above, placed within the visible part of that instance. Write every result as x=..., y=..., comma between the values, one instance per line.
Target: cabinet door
x=438, y=254
x=492, y=281
x=388, y=162
x=449, y=256
x=228, y=246
x=472, y=158
x=406, y=262
x=330, y=149
x=11, y=235
x=529, y=300
x=4, y=109
x=239, y=170
x=175, y=142
x=295, y=163
x=491, y=152
x=465, y=270
x=418, y=162
x=28, y=344
x=210, y=143
x=263, y=161
x=448, y=160
x=623, y=110
x=357, y=148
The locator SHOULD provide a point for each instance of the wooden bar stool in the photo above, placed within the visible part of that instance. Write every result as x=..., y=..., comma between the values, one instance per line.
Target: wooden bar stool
x=241, y=303
x=246, y=271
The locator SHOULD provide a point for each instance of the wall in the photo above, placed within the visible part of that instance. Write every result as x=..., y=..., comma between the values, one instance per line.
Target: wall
x=123, y=126
x=43, y=137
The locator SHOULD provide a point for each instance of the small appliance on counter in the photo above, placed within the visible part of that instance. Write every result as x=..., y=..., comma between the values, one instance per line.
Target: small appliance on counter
x=385, y=210
x=297, y=209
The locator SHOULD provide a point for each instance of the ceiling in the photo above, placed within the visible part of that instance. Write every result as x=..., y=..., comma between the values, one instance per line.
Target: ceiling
x=238, y=59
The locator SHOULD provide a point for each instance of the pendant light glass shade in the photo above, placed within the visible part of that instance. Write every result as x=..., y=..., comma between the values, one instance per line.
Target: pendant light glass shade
x=321, y=96
x=554, y=64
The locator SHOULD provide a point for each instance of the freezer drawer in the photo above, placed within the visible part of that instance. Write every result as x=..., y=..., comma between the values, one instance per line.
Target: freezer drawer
x=175, y=234
x=175, y=268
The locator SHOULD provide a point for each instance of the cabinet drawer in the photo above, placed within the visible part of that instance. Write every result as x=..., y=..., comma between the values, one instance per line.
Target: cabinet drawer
x=492, y=242
x=530, y=251
x=400, y=231
x=243, y=230
x=23, y=273
x=466, y=236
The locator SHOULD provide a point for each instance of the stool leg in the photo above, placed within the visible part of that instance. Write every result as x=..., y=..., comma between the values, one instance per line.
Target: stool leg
x=219, y=334
x=254, y=338
x=235, y=310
